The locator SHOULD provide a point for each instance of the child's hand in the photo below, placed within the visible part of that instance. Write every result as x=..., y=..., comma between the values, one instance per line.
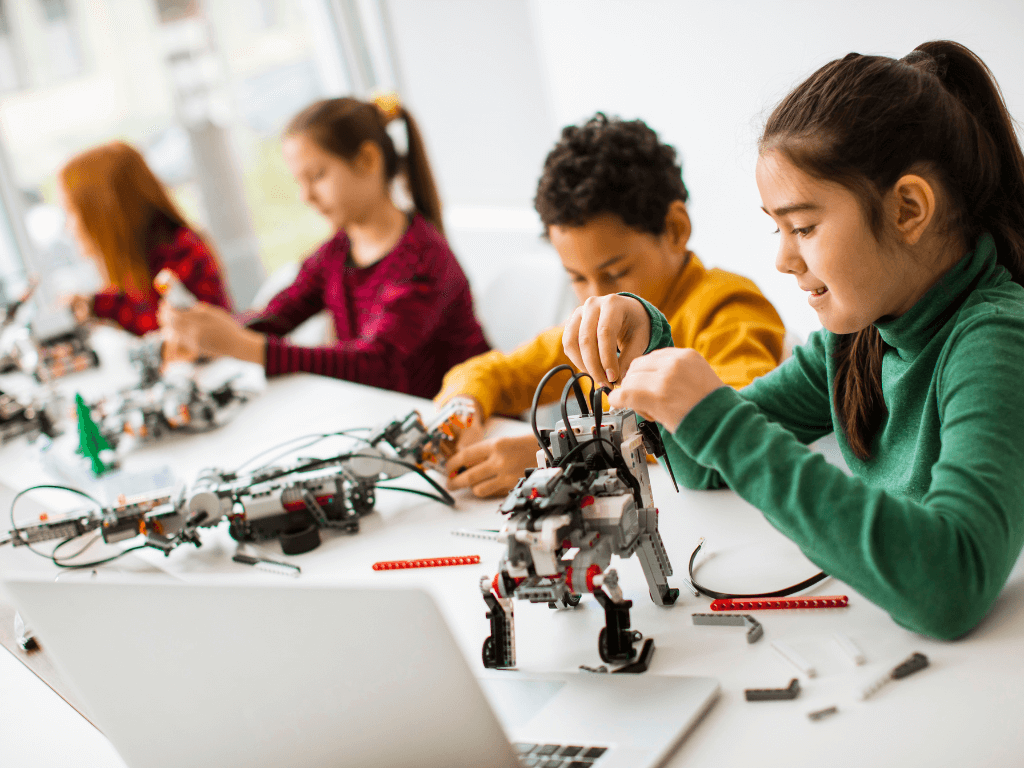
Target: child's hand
x=206, y=330
x=605, y=335
x=665, y=384
x=80, y=306
x=492, y=467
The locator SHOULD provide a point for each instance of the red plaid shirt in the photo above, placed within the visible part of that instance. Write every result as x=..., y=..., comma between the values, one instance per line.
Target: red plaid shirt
x=400, y=323
x=183, y=252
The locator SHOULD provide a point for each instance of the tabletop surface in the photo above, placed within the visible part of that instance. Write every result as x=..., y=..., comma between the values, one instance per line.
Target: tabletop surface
x=964, y=709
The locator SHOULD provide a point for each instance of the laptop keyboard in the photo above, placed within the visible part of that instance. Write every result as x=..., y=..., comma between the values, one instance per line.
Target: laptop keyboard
x=557, y=755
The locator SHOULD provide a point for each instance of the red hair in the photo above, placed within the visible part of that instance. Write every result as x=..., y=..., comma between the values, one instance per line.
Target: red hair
x=118, y=199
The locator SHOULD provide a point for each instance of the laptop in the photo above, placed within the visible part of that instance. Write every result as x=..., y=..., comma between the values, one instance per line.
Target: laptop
x=234, y=673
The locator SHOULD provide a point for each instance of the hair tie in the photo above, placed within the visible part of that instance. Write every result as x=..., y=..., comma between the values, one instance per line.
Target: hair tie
x=389, y=105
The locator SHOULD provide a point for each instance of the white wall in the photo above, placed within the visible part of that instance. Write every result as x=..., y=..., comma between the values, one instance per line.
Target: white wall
x=705, y=74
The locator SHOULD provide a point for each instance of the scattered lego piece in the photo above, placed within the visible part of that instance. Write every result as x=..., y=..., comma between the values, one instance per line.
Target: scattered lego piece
x=774, y=694
x=786, y=651
x=427, y=562
x=174, y=292
x=601, y=670
x=472, y=533
x=916, y=662
x=779, y=603
x=91, y=443
x=754, y=634
x=265, y=564
x=847, y=646
x=821, y=714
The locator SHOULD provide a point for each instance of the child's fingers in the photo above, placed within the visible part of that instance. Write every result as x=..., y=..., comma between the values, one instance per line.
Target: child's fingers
x=571, y=338
x=465, y=466
x=495, y=486
x=609, y=331
x=471, y=476
x=590, y=344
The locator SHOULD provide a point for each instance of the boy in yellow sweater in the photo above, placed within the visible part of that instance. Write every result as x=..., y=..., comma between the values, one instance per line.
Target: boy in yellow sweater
x=613, y=204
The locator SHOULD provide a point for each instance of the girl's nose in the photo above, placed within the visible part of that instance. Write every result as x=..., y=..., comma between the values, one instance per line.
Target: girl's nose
x=788, y=260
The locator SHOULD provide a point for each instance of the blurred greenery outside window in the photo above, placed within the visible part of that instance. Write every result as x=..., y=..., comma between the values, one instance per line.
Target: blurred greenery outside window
x=76, y=73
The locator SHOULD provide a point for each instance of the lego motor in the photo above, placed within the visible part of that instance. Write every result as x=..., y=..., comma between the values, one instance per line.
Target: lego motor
x=589, y=499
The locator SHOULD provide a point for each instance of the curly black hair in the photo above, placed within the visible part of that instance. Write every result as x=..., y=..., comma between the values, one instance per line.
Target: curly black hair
x=609, y=165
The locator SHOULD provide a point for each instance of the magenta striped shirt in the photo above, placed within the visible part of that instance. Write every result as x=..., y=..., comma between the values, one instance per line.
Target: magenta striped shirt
x=400, y=323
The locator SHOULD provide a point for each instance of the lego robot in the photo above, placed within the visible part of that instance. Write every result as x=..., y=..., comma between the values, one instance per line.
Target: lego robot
x=20, y=418
x=291, y=503
x=168, y=405
x=160, y=517
x=589, y=499
x=294, y=503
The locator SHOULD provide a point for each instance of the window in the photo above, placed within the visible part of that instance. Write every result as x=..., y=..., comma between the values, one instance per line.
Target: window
x=201, y=87
x=63, y=48
x=10, y=69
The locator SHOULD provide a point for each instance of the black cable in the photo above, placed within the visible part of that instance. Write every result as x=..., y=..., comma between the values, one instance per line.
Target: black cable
x=418, y=492
x=785, y=592
x=597, y=404
x=317, y=435
x=579, y=448
x=445, y=496
x=574, y=384
x=52, y=557
x=16, y=531
x=94, y=563
x=536, y=402
x=96, y=537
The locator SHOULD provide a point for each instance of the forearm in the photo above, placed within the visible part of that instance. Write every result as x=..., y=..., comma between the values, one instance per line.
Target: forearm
x=505, y=383
x=250, y=346
x=935, y=568
x=137, y=316
x=369, y=363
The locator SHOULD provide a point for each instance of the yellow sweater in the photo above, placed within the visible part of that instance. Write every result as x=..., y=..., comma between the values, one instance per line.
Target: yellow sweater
x=721, y=315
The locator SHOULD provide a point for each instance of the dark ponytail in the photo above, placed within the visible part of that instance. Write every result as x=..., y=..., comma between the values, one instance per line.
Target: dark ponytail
x=421, y=178
x=341, y=126
x=865, y=121
x=997, y=205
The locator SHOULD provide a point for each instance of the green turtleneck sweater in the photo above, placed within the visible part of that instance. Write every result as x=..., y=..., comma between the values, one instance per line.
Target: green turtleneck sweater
x=930, y=526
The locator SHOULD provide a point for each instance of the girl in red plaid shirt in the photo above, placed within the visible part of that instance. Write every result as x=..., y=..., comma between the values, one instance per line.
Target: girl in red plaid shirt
x=124, y=220
x=401, y=306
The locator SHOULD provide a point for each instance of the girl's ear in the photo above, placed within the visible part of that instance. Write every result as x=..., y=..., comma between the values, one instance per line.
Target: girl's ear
x=369, y=160
x=677, y=226
x=914, y=207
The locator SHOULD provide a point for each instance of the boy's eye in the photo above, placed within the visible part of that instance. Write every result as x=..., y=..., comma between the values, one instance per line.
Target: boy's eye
x=576, y=279
x=803, y=231
x=617, y=275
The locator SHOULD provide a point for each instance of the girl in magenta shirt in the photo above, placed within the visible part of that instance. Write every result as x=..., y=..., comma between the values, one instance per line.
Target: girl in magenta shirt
x=401, y=305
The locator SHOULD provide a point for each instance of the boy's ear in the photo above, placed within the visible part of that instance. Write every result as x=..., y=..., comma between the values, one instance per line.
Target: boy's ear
x=677, y=226
x=913, y=207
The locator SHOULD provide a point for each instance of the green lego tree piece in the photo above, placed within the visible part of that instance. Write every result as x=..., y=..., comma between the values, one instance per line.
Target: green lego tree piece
x=90, y=441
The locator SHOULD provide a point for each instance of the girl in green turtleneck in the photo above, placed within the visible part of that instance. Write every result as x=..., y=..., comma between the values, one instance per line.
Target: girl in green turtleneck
x=898, y=190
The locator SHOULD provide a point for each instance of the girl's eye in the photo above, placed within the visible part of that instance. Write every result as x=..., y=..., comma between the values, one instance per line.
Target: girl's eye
x=775, y=231
x=803, y=231
x=318, y=175
x=618, y=275
x=576, y=279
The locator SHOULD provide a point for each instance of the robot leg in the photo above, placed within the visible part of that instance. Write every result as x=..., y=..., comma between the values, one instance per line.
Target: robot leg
x=499, y=651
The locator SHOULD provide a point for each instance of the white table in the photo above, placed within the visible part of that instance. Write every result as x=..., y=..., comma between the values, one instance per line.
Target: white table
x=965, y=709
